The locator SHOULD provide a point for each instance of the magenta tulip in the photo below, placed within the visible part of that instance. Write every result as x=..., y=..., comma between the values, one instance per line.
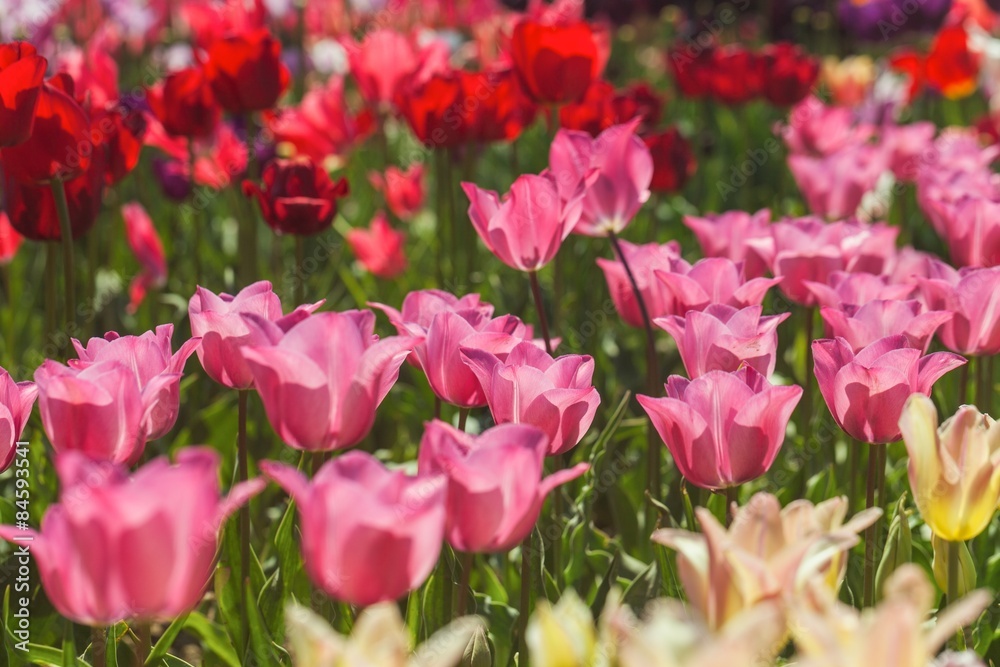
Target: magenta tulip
x=141, y=547
x=972, y=231
x=495, y=485
x=725, y=235
x=157, y=369
x=834, y=185
x=616, y=168
x=227, y=323
x=526, y=228
x=865, y=392
x=973, y=297
x=721, y=338
x=321, y=383
x=713, y=280
x=644, y=261
x=723, y=429
x=861, y=327
x=530, y=387
x=846, y=290
x=16, y=400
x=369, y=534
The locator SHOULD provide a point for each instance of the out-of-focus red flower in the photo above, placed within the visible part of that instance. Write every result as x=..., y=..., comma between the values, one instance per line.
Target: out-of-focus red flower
x=403, y=190
x=601, y=107
x=122, y=130
x=10, y=240
x=22, y=72
x=555, y=63
x=788, y=73
x=692, y=70
x=148, y=250
x=59, y=145
x=211, y=21
x=380, y=248
x=736, y=75
x=493, y=106
x=246, y=71
x=184, y=104
x=433, y=110
x=951, y=68
x=386, y=61
x=93, y=67
x=297, y=196
x=911, y=64
x=673, y=160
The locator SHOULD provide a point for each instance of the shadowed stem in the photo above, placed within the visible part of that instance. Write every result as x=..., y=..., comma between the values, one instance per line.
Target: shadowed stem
x=98, y=646
x=300, y=280
x=524, y=608
x=195, y=218
x=247, y=239
x=876, y=475
x=144, y=644
x=244, y=475
x=652, y=375
x=66, y=233
x=954, y=551
x=536, y=292
x=51, y=258
x=463, y=589
x=11, y=332
x=732, y=499
x=463, y=417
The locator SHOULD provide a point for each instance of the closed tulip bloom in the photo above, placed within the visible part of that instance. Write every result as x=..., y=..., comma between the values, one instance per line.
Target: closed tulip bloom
x=495, y=484
x=184, y=104
x=297, y=196
x=321, y=383
x=850, y=291
x=379, y=248
x=865, y=392
x=674, y=162
x=246, y=72
x=157, y=369
x=736, y=74
x=644, y=261
x=369, y=534
x=433, y=109
x=555, y=63
x=403, y=189
x=835, y=184
x=723, y=429
x=972, y=231
x=616, y=168
x=788, y=73
x=227, y=323
x=861, y=327
x=530, y=387
x=721, y=338
x=713, y=280
x=973, y=298
x=954, y=468
x=16, y=400
x=22, y=72
x=141, y=547
x=526, y=228
x=724, y=235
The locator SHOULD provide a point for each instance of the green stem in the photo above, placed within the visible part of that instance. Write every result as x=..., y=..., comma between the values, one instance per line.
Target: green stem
x=98, y=646
x=464, y=587
x=144, y=642
x=195, y=218
x=51, y=260
x=524, y=608
x=853, y=456
x=66, y=234
x=732, y=498
x=10, y=335
x=871, y=533
x=954, y=554
x=463, y=417
x=300, y=279
x=244, y=475
x=247, y=240
x=536, y=292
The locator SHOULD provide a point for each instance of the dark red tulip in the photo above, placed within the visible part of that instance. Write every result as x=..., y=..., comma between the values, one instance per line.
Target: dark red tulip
x=555, y=63
x=788, y=73
x=22, y=72
x=735, y=77
x=433, y=110
x=246, y=71
x=297, y=197
x=122, y=129
x=673, y=160
x=184, y=104
x=601, y=107
x=692, y=68
x=494, y=107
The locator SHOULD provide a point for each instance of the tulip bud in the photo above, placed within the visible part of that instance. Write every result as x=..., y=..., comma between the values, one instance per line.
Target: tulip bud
x=966, y=567
x=477, y=653
x=898, y=546
x=561, y=636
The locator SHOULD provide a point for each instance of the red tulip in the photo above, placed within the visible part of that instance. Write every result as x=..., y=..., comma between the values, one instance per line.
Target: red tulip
x=674, y=162
x=432, y=110
x=601, y=107
x=246, y=71
x=494, y=107
x=950, y=67
x=21, y=74
x=184, y=103
x=788, y=73
x=122, y=130
x=555, y=63
x=692, y=72
x=379, y=248
x=298, y=197
x=403, y=189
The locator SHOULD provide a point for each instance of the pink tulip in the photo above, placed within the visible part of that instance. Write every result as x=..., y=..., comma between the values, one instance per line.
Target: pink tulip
x=10, y=240
x=939, y=191
x=227, y=323
x=861, y=327
x=817, y=129
x=369, y=534
x=845, y=290
x=616, y=168
x=973, y=298
x=723, y=429
x=725, y=235
x=148, y=249
x=16, y=400
x=403, y=190
x=972, y=231
x=713, y=280
x=866, y=392
x=321, y=383
x=379, y=248
x=530, y=387
x=907, y=146
x=140, y=547
x=834, y=185
x=495, y=485
x=526, y=228
x=721, y=338
x=157, y=369
x=908, y=265
x=322, y=126
x=644, y=261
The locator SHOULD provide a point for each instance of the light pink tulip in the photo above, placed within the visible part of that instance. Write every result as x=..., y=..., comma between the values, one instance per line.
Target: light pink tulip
x=526, y=228
x=834, y=185
x=817, y=129
x=861, y=327
x=530, y=387
x=321, y=383
x=369, y=534
x=723, y=429
x=725, y=235
x=16, y=400
x=909, y=264
x=972, y=231
x=157, y=369
x=379, y=248
x=644, y=260
x=865, y=392
x=148, y=250
x=721, y=337
x=938, y=191
x=973, y=297
x=713, y=280
x=227, y=323
x=495, y=485
x=616, y=168
x=403, y=190
x=140, y=547
x=845, y=290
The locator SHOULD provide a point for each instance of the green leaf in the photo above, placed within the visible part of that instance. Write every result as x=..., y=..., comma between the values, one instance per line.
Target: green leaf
x=260, y=639
x=214, y=638
x=643, y=588
x=166, y=640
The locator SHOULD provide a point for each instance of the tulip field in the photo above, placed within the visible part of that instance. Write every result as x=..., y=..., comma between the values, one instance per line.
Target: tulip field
x=482, y=333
